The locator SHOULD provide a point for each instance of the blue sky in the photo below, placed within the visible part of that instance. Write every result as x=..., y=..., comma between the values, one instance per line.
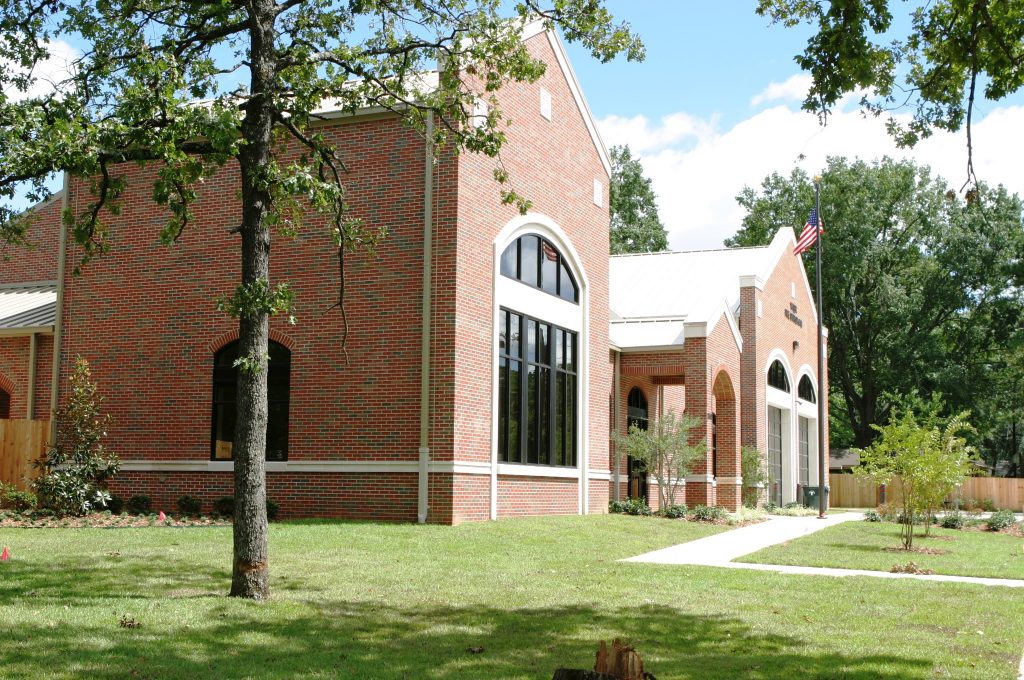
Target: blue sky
x=716, y=107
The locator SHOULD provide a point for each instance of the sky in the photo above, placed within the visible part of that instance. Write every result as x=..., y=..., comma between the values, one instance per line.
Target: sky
x=715, y=107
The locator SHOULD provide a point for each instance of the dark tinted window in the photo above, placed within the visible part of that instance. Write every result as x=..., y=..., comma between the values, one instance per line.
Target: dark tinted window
x=5, y=405
x=536, y=262
x=777, y=377
x=805, y=390
x=225, y=388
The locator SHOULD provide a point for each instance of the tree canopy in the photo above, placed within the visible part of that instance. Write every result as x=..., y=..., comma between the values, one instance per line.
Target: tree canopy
x=636, y=226
x=919, y=285
x=193, y=85
x=953, y=53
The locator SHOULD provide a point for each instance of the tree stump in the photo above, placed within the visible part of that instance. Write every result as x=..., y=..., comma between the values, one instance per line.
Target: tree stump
x=618, y=662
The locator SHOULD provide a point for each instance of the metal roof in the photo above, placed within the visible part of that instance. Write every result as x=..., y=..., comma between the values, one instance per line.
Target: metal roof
x=656, y=297
x=28, y=306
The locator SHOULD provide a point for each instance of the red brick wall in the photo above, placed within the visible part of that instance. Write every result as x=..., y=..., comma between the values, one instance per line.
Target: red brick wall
x=14, y=358
x=520, y=496
x=36, y=260
x=554, y=164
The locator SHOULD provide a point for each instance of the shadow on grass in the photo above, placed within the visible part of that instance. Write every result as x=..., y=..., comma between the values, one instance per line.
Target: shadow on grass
x=192, y=632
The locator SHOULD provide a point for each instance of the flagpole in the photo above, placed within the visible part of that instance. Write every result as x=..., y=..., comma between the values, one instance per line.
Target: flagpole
x=821, y=353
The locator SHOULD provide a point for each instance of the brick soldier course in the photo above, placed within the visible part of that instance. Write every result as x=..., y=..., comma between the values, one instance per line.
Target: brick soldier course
x=144, y=315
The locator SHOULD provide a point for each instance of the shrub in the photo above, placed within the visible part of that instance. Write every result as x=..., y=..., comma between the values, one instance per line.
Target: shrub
x=755, y=474
x=115, y=504
x=73, y=473
x=273, y=509
x=704, y=513
x=872, y=515
x=140, y=504
x=988, y=505
x=633, y=506
x=674, y=511
x=1001, y=519
x=770, y=506
x=953, y=520
x=19, y=501
x=225, y=506
x=190, y=505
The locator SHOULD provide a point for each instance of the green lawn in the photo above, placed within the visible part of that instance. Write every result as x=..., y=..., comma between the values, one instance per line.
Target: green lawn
x=859, y=545
x=364, y=601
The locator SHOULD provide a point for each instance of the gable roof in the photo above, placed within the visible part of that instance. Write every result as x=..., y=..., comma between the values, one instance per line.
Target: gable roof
x=657, y=300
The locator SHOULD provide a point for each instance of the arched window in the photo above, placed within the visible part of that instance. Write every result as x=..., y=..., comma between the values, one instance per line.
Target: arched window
x=5, y=404
x=535, y=261
x=637, y=404
x=777, y=377
x=225, y=388
x=805, y=390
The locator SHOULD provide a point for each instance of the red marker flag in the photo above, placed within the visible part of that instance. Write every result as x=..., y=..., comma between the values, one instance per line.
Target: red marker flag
x=163, y=517
x=5, y=555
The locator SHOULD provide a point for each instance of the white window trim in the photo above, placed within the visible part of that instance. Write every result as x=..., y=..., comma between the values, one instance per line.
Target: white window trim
x=537, y=307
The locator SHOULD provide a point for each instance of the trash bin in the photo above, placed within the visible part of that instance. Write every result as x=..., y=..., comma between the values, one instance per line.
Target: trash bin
x=810, y=499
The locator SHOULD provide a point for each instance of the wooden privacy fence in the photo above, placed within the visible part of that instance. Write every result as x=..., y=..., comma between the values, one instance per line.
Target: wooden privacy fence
x=852, y=491
x=21, y=442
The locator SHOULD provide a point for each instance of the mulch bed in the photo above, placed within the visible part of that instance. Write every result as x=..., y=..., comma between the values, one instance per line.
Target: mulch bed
x=921, y=551
x=105, y=520
x=910, y=568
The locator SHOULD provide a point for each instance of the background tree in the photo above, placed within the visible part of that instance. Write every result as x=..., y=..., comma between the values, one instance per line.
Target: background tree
x=636, y=227
x=664, y=449
x=919, y=286
x=261, y=68
x=935, y=71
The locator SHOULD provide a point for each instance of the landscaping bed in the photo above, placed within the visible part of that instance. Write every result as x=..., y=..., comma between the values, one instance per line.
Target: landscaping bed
x=877, y=546
x=508, y=599
x=104, y=520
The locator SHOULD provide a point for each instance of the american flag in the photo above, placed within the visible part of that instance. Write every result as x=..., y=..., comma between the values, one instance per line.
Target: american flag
x=809, y=236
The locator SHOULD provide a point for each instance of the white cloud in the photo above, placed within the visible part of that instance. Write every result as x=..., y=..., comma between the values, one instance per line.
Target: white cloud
x=697, y=169
x=794, y=87
x=47, y=74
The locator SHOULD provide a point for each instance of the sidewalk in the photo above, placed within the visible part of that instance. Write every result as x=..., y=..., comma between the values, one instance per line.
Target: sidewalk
x=721, y=549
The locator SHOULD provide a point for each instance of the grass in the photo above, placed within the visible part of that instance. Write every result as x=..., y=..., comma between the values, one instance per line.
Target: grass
x=359, y=600
x=861, y=545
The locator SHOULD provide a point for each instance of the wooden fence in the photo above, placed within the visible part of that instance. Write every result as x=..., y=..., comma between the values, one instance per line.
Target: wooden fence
x=21, y=442
x=851, y=491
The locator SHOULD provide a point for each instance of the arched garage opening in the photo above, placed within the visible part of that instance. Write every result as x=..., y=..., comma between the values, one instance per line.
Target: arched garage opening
x=724, y=444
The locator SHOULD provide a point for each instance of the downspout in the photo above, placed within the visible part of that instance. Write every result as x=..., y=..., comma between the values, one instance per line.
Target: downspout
x=58, y=321
x=33, y=341
x=617, y=423
x=423, y=505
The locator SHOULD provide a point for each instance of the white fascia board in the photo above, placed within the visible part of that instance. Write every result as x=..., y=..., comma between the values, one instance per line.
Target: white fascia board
x=642, y=349
x=754, y=280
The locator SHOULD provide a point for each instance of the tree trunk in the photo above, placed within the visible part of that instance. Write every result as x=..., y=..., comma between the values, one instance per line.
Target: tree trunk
x=250, y=575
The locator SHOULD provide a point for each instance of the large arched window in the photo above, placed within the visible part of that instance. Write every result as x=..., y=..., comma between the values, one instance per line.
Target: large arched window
x=805, y=390
x=777, y=377
x=535, y=261
x=5, y=404
x=225, y=388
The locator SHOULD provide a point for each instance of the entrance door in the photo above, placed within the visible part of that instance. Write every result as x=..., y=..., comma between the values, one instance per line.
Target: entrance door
x=637, y=413
x=775, y=455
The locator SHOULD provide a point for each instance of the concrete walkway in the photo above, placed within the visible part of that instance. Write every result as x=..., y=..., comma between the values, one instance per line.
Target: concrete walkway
x=721, y=549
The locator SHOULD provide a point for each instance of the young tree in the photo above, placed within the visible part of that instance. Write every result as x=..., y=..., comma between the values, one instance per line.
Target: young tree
x=664, y=449
x=193, y=85
x=74, y=472
x=924, y=459
x=918, y=284
x=636, y=226
x=754, y=468
x=952, y=48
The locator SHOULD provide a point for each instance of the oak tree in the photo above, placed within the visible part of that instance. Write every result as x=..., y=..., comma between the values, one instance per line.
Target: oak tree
x=189, y=86
x=636, y=226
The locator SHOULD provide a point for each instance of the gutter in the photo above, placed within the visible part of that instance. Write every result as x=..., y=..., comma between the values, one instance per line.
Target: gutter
x=616, y=414
x=423, y=501
x=58, y=320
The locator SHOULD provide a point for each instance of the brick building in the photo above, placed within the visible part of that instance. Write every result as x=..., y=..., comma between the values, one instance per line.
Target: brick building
x=472, y=379
x=728, y=336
